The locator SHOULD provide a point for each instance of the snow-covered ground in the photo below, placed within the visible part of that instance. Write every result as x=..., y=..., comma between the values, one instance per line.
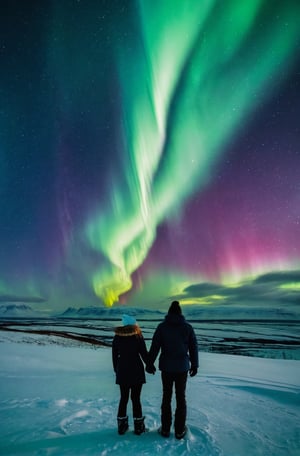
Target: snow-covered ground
x=62, y=400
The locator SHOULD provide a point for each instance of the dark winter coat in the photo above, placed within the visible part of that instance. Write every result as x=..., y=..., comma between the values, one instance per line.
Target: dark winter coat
x=128, y=351
x=178, y=344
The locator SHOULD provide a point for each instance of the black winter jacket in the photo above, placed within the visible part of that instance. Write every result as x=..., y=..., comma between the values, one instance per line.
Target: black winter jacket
x=178, y=344
x=128, y=351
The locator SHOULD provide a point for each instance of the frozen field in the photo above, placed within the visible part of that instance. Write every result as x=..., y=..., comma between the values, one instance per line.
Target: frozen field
x=62, y=400
x=263, y=338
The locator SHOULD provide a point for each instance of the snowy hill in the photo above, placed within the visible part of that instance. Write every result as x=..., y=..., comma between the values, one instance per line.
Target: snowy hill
x=18, y=311
x=105, y=312
x=220, y=312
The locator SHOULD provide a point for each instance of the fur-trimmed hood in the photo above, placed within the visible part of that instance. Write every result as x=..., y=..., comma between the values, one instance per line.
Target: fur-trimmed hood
x=128, y=330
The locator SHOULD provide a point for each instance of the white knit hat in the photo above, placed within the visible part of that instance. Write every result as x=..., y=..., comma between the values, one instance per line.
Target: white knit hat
x=128, y=320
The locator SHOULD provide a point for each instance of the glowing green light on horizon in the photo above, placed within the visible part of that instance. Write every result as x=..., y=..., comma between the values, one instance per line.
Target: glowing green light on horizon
x=205, y=301
x=291, y=286
x=185, y=91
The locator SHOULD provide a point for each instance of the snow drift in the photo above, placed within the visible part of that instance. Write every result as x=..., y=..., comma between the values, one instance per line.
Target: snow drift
x=57, y=400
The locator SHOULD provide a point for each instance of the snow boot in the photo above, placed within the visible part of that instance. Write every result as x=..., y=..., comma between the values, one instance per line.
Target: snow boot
x=122, y=425
x=180, y=434
x=163, y=432
x=139, y=425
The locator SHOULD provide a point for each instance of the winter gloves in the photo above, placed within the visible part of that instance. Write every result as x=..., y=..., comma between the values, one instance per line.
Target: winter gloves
x=151, y=369
x=193, y=371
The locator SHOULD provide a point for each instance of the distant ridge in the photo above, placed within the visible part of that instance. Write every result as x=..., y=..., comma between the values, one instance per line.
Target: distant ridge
x=18, y=311
x=102, y=312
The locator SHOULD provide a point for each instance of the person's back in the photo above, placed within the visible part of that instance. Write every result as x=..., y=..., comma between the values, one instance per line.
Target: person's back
x=176, y=340
x=129, y=350
x=128, y=354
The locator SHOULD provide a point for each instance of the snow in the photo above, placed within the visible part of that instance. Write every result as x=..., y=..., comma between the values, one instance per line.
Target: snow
x=62, y=400
x=18, y=311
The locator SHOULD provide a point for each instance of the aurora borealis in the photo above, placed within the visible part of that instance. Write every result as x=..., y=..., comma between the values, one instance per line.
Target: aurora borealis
x=149, y=149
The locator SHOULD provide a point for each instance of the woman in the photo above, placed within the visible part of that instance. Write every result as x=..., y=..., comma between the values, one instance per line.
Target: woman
x=128, y=351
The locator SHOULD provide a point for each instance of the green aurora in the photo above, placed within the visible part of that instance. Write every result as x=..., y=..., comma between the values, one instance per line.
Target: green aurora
x=192, y=75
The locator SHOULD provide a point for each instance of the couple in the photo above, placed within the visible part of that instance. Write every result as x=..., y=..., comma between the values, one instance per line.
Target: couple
x=176, y=341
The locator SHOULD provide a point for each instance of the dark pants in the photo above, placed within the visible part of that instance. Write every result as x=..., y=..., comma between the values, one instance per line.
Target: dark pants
x=168, y=379
x=135, y=398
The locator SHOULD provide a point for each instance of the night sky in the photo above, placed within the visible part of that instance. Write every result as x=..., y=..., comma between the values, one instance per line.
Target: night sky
x=150, y=150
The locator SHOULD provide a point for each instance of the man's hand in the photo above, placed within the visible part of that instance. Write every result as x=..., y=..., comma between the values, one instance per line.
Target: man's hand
x=151, y=369
x=193, y=371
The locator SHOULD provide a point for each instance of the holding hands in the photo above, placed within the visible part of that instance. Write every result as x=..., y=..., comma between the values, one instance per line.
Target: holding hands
x=150, y=368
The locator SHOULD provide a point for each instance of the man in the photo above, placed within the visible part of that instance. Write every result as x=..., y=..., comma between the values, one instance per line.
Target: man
x=176, y=340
